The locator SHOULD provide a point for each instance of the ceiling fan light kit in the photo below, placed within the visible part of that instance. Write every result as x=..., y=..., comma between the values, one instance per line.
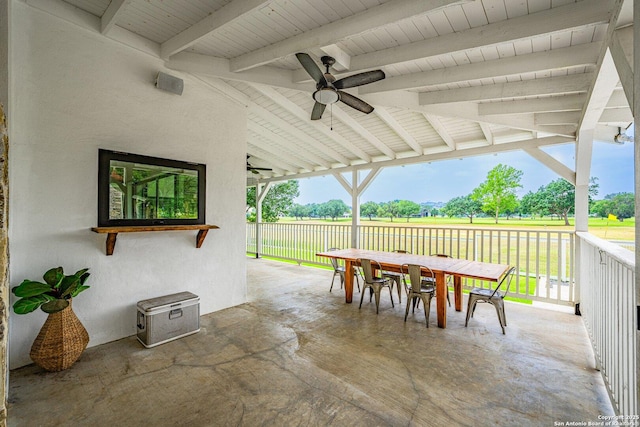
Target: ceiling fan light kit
x=328, y=88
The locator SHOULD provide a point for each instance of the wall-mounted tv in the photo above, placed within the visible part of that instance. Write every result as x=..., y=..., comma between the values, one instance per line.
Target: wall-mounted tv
x=137, y=190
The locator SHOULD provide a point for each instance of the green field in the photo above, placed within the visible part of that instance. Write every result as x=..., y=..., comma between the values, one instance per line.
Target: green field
x=603, y=228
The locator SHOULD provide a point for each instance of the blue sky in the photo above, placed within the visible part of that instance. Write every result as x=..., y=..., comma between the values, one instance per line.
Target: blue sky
x=443, y=180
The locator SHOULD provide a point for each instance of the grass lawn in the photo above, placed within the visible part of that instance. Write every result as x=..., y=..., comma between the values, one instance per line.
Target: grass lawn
x=603, y=228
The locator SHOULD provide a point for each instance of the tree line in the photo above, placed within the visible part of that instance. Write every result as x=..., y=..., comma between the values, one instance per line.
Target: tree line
x=495, y=197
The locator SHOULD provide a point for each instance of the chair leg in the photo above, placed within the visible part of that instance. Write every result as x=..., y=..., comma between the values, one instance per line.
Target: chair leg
x=470, y=307
x=357, y=281
x=499, y=317
x=342, y=280
x=377, y=293
x=333, y=279
x=391, y=295
x=448, y=298
x=399, y=285
x=364, y=288
x=406, y=312
x=426, y=302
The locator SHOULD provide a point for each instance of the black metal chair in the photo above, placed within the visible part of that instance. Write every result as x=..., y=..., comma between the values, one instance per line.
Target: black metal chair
x=339, y=270
x=419, y=289
x=494, y=297
x=373, y=282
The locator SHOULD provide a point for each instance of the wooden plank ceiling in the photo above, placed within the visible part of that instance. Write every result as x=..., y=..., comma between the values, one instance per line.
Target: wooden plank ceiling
x=462, y=77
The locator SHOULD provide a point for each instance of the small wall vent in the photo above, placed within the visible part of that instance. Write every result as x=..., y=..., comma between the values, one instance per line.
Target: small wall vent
x=169, y=83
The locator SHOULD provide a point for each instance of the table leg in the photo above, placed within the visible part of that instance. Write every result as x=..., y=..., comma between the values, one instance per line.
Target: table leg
x=457, y=291
x=348, y=281
x=441, y=299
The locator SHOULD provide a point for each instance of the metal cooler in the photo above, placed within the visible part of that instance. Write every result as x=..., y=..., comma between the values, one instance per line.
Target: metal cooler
x=167, y=318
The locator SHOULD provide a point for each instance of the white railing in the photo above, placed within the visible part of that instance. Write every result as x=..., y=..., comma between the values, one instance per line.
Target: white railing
x=608, y=307
x=543, y=259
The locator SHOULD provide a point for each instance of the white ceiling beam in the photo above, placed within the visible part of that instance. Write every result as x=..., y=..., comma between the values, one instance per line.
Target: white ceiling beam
x=486, y=130
x=335, y=31
x=213, y=22
x=303, y=115
x=465, y=111
x=535, y=105
x=440, y=129
x=256, y=152
x=343, y=59
x=219, y=67
x=549, y=21
x=386, y=117
x=282, y=153
x=600, y=88
x=557, y=118
x=584, y=54
x=110, y=16
x=281, y=145
x=300, y=135
x=618, y=100
x=548, y=86
x=600, y=93
x=616, y=115
x=345, y=118
x=621, y=47
x=447, y=155
x=346, y=185
x=373, y=173
x=552, y=163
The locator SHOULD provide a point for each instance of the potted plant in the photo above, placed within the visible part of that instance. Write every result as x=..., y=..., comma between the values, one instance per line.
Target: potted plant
x=62, y=338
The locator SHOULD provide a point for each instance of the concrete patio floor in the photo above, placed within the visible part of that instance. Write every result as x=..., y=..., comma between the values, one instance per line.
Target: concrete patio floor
x=298, y=355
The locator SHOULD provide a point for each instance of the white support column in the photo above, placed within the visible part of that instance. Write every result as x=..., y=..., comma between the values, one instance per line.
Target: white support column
x=636, y=119
x=355, y=189
x=260, y=195
x=584, y=150
x=355, y=209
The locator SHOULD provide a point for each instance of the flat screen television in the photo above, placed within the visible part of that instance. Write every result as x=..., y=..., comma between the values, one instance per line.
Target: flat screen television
x=137, y=190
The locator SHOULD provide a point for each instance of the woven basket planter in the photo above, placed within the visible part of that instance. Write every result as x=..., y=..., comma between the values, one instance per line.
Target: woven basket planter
x=60, y=342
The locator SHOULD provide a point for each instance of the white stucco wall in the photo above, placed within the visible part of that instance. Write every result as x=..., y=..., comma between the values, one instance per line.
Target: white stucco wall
x=74, y=91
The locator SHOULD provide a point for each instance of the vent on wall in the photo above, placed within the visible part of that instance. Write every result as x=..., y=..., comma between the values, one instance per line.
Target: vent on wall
x=169, y=83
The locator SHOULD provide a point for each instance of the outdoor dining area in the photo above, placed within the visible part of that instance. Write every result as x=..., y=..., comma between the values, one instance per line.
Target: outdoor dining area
x=297, y=354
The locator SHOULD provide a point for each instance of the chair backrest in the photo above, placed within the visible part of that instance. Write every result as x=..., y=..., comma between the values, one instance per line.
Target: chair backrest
x=505, y=282
x=334, y=261
x=441, y=255
x=368, y=265
x=416, y=273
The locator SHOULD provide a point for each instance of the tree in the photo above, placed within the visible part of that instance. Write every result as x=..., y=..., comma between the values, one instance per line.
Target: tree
x=369, y=209
x=497, y=193
x=335, y=208
x=602, y=208
x=298, y=211
x=389, y=209
x=623, y=205
x=532, y=203
x=559, y=197
x=406, y=208
x=462, y=206
x=277, y=202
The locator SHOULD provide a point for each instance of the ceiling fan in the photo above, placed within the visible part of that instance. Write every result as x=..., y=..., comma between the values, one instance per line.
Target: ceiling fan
x=328, y=88
x=254, y=169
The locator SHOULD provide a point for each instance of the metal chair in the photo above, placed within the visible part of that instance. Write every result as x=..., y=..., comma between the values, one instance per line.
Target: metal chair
x=432, y=280
x=418, y=289
x=494, y=297
x=372, y=282
x=395, y=277
x=339, y=270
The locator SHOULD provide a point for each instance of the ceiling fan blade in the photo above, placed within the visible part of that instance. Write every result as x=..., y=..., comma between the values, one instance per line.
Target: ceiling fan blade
x=318, y=109
x=354, y=102
x=359, y=79
x=312, y=68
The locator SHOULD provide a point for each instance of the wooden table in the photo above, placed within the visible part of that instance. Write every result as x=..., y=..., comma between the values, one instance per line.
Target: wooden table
x=441, y=266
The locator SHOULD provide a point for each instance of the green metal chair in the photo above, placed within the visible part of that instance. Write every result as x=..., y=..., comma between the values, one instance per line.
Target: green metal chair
x=395, y=277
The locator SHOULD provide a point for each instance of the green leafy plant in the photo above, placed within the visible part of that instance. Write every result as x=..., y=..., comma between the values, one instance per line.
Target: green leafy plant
x=53, y=295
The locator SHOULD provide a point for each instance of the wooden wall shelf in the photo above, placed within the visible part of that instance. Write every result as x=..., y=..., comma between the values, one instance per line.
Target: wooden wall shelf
x=112, y=232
